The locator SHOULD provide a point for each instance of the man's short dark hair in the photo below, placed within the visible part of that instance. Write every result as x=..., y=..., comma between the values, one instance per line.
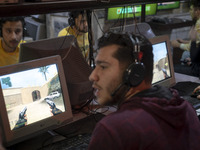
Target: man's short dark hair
x=125, y=51
x=75, y=14
x=11, y=19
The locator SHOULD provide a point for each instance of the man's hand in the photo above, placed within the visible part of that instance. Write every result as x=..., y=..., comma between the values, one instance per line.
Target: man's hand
x=175, y=43
x=197, y=91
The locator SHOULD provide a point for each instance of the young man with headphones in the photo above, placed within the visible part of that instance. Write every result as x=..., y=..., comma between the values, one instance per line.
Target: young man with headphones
x=147, y=118
x=78, y=26
x=11, y=31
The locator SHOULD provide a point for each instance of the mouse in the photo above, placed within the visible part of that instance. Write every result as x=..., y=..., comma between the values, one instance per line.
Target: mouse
x=195, y=94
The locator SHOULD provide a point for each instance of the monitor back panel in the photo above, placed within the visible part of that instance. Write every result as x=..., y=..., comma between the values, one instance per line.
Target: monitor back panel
x=76, y=69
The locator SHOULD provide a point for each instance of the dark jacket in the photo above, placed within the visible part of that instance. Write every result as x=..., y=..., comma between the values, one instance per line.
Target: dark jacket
x=155, y=119
x=195, y=58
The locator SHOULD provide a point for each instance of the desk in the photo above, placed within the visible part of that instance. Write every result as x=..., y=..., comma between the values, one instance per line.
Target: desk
x=182, y=77
x=185, y=85
x=161, y=28
x=36, y=142
x=81, y=124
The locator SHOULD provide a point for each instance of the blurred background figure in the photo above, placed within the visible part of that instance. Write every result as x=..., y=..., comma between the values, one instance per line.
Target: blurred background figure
x=11, y=32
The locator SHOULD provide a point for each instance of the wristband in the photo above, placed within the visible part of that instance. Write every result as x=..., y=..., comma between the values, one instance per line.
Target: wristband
x=182, y=46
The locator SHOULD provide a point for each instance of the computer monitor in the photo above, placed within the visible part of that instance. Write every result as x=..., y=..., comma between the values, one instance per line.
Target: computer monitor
x=126, y=12
x=26, y=106
x=163, y=72
x=76, y=69
x=35, y=29
x=168, y=5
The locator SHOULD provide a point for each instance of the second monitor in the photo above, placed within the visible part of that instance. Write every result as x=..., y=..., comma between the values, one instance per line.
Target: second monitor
x=76, y=69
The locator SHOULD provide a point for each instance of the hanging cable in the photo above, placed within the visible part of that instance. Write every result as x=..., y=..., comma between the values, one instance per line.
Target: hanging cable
x=90, y=38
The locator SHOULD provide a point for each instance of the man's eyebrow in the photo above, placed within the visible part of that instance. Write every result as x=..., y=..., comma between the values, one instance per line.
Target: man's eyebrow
x=101, y=62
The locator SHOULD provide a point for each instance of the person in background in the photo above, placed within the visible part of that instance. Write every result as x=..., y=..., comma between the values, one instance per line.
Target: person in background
x=11, y=32
x=185, y=44
x=147, y=118
x=78, y=26
x=195, y=53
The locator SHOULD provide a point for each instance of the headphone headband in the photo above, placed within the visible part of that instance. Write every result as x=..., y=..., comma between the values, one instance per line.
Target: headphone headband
x=135, y=72
x=73, y=15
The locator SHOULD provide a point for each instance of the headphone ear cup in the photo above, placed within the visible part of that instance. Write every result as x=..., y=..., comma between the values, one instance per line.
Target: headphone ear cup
x=134, y=74
x=71, y=21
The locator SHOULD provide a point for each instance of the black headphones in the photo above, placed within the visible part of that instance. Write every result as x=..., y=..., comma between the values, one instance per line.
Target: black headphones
x=71, y=21
x=73, y=15
x=135, y=72
x=20, y=18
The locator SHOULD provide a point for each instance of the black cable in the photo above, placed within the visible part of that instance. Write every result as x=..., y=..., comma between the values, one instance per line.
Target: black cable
x=70, y=45
x=90, y=38
x=117, y=21
x=64, y=38
x=135, y=20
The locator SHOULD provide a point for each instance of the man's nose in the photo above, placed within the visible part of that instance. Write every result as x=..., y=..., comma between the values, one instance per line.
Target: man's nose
x=13, y=35
x=93, y=76
x=85, y=23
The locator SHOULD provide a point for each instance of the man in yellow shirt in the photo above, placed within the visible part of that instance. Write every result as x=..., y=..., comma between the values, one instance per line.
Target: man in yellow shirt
x=11, y=32
x=78, y=26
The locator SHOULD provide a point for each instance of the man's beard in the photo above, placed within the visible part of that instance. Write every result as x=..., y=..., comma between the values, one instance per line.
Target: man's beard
x=83, y=31
x=119, y=96
x=11, y=46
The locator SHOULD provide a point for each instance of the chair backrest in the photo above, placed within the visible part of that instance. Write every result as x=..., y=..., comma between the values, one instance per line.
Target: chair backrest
x=141, y=28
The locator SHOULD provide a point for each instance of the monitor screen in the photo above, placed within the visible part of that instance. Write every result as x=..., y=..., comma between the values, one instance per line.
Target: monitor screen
x=75, y=67
x=34, y=99
x=129, y=11
x=163, y=72
x=168, y=5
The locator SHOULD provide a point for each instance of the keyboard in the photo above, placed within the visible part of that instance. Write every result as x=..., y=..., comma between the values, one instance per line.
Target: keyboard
x=78, y=142
x=194, y=101
x=185, y=88
x=82, y=128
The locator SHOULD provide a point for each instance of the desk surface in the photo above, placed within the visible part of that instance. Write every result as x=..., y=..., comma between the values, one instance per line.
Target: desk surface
x=182, y=78
x=160, y=28
x=81, y=124
x=172, y=25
